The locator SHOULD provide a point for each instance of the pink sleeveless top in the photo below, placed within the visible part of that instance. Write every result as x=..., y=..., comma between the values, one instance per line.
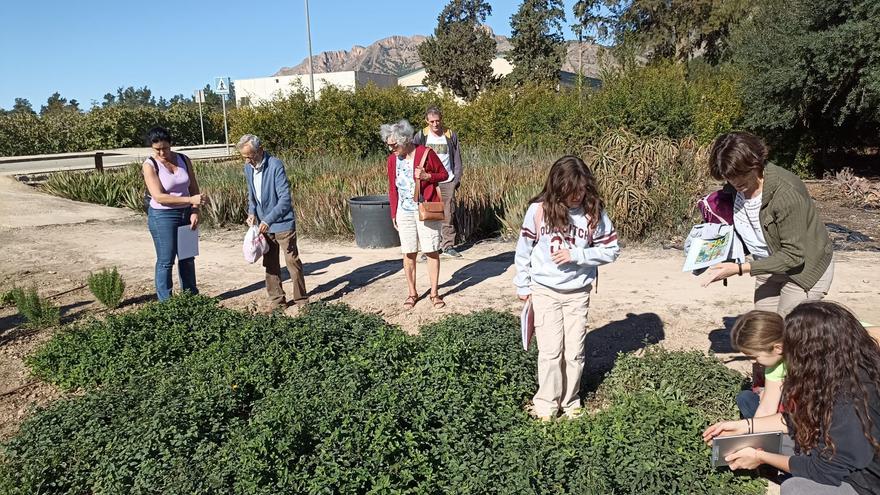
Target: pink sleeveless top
x=176, y=184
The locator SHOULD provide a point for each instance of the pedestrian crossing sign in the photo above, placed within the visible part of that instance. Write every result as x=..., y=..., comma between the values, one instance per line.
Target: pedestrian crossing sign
x=222, y=86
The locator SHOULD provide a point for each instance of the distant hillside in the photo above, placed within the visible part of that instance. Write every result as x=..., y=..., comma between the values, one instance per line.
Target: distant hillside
x=398, y=55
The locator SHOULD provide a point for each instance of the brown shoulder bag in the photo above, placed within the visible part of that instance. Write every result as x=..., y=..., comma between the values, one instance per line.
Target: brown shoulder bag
x=427, y=210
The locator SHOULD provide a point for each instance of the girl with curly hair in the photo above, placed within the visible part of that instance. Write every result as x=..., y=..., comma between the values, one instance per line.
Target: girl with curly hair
x=831, y=396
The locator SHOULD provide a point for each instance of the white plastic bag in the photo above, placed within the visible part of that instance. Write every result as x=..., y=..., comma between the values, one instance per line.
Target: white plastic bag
x=254, y=245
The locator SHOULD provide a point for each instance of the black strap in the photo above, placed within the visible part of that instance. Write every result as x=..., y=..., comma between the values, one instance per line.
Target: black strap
x=186, y=163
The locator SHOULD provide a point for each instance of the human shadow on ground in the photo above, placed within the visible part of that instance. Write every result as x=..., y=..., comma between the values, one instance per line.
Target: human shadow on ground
x=141, y=299
x=476, y=272
x=13, y=327
x=308, y=269
x=7, y=323
x=67, y=311
x=634, y=332
x=358, y=278
x=719, y=340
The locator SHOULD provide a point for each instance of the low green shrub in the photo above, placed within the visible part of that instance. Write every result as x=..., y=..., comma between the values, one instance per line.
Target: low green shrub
x=699, y=381
x=7, y=298
x=37, y=311
x=186, y=397
x=651, y=445
x=107, y=286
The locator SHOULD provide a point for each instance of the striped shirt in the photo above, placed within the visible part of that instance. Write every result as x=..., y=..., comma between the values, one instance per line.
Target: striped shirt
x=747, y=223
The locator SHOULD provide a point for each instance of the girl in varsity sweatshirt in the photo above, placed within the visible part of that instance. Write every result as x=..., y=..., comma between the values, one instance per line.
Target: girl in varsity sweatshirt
x=565, y=236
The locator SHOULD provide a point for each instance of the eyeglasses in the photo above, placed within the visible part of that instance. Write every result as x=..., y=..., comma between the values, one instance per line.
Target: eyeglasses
x=392, y=146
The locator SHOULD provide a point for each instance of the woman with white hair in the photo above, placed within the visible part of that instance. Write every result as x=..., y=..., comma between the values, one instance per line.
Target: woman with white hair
x=408, y=166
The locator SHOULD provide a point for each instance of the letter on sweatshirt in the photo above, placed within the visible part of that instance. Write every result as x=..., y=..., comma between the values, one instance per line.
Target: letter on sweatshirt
x=589, y=249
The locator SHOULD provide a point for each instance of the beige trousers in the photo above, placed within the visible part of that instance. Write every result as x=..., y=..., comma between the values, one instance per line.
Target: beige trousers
x=561, y=332
x=779, y=294
x=447, y=229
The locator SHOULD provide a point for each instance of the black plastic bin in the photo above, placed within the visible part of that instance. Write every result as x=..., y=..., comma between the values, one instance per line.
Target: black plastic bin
x=371, y=219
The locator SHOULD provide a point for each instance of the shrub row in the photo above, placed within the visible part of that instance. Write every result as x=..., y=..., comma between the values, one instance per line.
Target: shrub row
x=660, y=100
x=103, y=128
x=650, y=101
x=649, y=185
x=186, y=397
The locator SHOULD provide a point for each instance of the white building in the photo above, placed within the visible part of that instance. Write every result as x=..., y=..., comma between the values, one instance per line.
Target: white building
x=262, y=89
x=415, y=80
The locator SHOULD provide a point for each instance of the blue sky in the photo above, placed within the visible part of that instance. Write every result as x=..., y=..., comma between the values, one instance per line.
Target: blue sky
x=88, y=48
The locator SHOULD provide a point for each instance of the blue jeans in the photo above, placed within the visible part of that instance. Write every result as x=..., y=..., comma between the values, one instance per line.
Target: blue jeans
x=748, y=402
x=163, y=226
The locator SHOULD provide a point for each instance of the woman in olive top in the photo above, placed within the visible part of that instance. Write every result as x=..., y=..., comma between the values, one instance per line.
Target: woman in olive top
x=777, y=222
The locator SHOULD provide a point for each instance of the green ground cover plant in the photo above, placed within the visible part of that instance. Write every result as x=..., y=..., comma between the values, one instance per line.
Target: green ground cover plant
x=188, y=397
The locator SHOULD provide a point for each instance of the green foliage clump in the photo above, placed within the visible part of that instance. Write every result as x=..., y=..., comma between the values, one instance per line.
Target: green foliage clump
x=7, y=298
x=810, y=75
x=37, y=311
x=107, y=286
x=674, y=29
x=115, y=126
x=458, y=56
x=640, y=459
x=187, y=397
x=538, y=46
x=690, y=377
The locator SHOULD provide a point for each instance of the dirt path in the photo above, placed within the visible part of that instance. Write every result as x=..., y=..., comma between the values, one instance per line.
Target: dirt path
x=643, y=297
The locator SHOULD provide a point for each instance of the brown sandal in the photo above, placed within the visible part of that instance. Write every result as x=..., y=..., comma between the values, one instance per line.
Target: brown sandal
x=437, y=301
x=410, y=301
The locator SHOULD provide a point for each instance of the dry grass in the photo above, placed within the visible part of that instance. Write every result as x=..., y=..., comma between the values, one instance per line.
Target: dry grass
x=649, y=186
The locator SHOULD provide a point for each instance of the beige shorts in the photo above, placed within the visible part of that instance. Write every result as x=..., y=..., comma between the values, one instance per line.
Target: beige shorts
x=414, y=232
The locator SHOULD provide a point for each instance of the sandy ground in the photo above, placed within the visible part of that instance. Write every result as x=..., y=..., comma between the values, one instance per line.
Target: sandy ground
x=643, y=297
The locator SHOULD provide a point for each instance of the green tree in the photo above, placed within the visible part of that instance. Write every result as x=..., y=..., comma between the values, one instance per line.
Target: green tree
x=57, y=104
x=812, y=73
x=22, y=105
x=131, y=97
x=458, y=56
x=538, y=45
x=665, y=29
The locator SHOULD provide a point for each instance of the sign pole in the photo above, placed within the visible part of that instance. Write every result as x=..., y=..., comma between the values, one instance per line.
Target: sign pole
x=200, y=95
x=309, y=36
x=223, y=90
x=225, y=126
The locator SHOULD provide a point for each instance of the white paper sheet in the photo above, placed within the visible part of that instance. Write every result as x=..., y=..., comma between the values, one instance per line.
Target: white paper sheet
x=527, y=324
x=187, y=242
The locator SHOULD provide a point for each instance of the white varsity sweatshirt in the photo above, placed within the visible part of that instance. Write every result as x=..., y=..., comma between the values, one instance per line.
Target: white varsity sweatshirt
x=588, y=248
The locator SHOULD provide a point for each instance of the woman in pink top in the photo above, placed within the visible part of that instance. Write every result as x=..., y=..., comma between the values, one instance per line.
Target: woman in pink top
x=174, y=202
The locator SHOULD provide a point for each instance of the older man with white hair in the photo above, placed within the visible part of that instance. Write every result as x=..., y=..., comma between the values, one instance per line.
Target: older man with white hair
x=271, y=207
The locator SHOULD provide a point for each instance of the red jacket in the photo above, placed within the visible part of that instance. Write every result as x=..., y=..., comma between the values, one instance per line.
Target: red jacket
x=433, y=166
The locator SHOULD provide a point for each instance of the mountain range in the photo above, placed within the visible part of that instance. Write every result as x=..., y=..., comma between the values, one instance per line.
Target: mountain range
x=398, y=55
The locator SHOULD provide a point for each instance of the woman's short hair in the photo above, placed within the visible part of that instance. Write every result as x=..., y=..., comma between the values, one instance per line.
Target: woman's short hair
x=158, y=135
x=735, y=154
x=401, y=132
